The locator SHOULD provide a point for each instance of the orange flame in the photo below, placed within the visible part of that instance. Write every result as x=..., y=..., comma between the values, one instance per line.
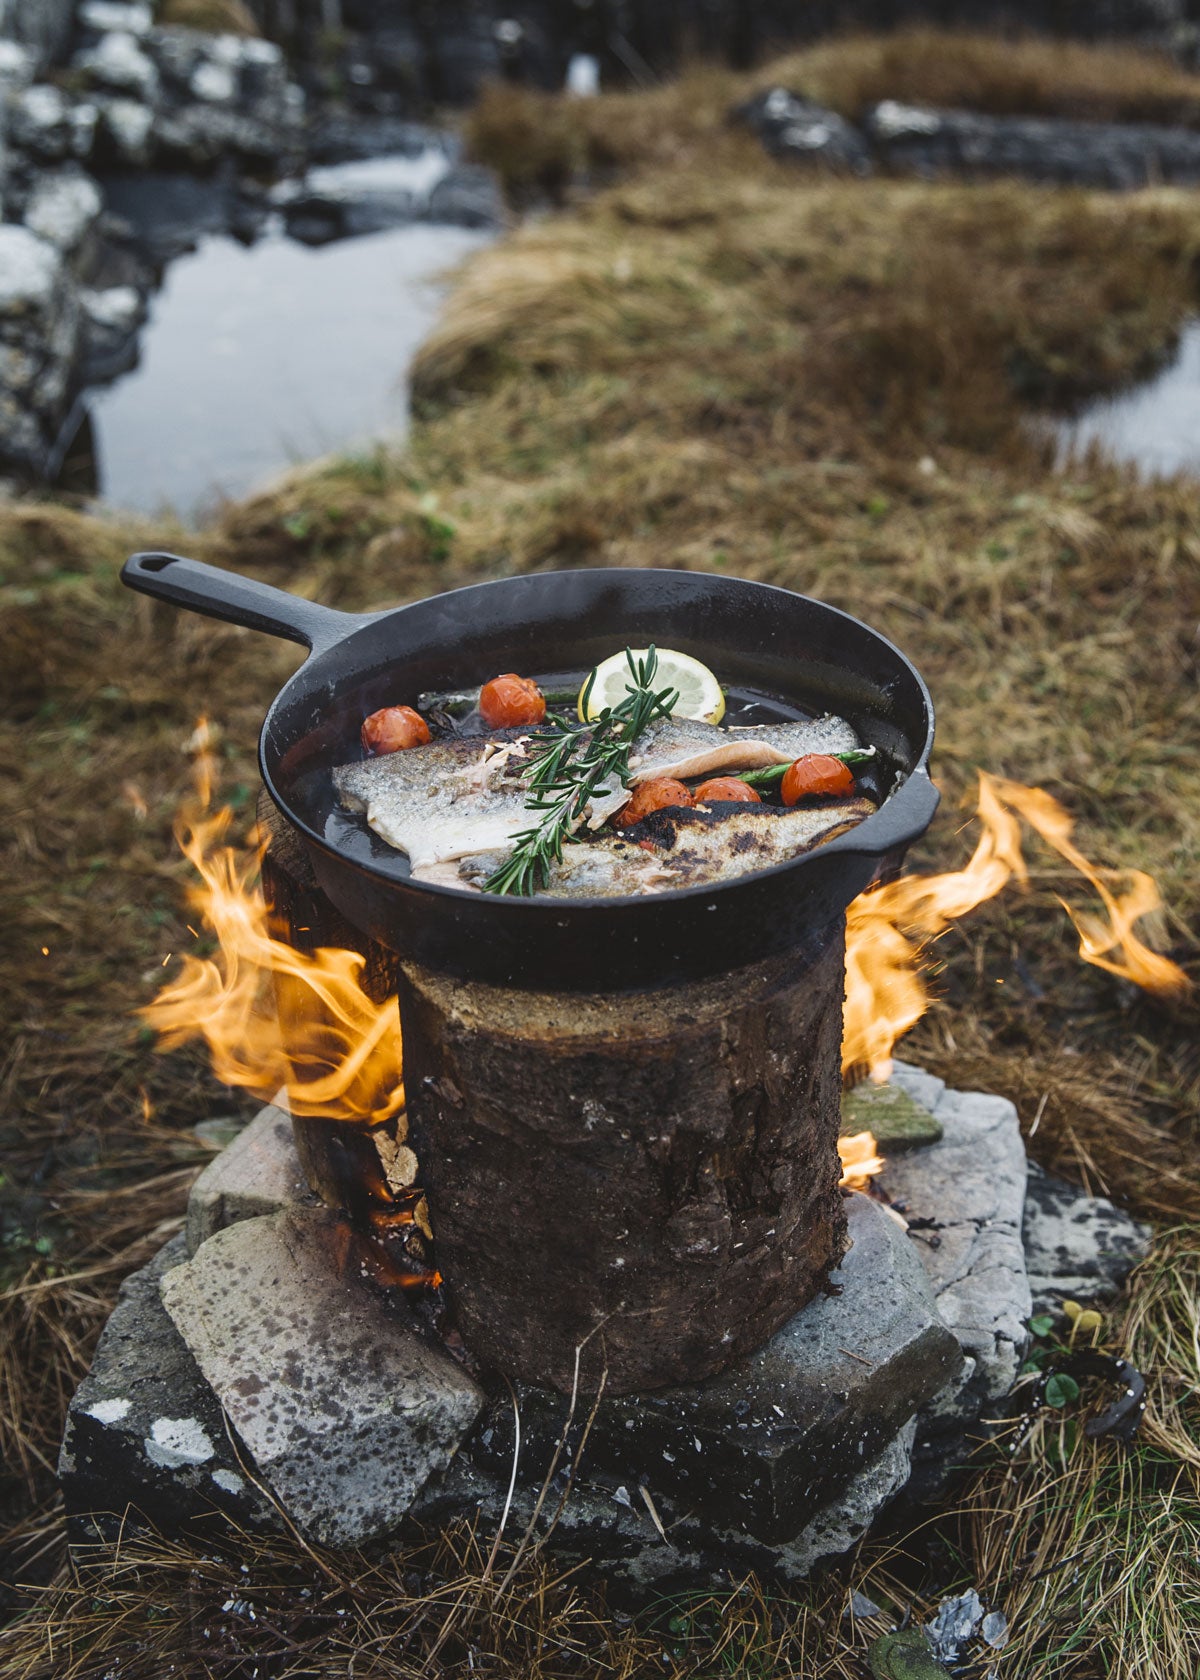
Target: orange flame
x=887, y=929
x=860, y=1158
x=337, y=1054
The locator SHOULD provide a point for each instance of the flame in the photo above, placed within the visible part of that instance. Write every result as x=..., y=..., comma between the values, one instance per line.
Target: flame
x=887, y=929
x=860, y=1159
x=272, y=1016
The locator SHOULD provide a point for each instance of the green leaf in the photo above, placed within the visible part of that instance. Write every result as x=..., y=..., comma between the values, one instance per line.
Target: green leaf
x=1042, y=1324
x=1061, y=1390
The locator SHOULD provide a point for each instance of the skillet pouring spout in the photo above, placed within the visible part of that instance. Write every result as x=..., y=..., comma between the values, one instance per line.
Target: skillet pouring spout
x=766, y=639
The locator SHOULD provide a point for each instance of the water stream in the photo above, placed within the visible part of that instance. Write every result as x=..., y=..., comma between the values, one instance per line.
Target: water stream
x=1155, y=425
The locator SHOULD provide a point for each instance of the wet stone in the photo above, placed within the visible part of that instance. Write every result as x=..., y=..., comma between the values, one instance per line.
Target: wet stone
x=792, y=127
x=258, y=1173
x=145, y=1430
x=1077, y=1247
x=345, y=1407
x=785, y=1431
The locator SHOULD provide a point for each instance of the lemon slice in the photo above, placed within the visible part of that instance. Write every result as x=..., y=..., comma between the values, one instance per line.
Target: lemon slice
x=699, y=691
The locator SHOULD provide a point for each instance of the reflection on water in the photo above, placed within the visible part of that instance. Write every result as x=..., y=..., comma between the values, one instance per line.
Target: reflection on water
x=254, y=358
x=1154, y=425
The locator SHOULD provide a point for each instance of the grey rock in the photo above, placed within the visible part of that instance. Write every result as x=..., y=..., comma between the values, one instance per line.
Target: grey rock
x=954, y=1625
x=44, y=122
x=31, y=277
x=145, y=1430
x=971, y=1186
x=118, y=64
x=1114, y=155
x=1077, y=1247
x=111, y=320
x=43, y=26
x=104, y=16
x=345, y=1407
x=614, y=1528
x=16, y=66
x=63, y=207
x=784, y=1432
x=925, y=1088
x=259, y=1173
x=792, y=127
x=127, y=128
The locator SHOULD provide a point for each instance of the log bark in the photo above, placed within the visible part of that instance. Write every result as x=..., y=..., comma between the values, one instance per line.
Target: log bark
x=652, y=1177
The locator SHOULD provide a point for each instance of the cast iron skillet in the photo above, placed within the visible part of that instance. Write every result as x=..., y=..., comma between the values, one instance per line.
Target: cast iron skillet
x=749, y=633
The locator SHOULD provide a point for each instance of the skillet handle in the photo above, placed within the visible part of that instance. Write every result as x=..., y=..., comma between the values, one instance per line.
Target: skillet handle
x=238, y=600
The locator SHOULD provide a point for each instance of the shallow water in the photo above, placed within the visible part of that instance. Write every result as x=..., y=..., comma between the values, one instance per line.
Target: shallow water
x=258, y=357
x=1154, y=425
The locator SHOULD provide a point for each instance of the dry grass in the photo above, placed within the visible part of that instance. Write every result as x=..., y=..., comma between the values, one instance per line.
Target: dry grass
x=1026, y=76
x=227, y=17
x=713, y=364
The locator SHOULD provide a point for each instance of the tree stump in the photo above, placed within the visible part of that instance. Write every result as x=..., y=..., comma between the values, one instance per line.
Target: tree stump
x=642, y=1187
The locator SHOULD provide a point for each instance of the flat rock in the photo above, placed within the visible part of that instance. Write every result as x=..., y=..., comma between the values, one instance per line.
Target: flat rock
x=1077, y=1247
x=31, y=276
x=1116, y=155
x=345, y=1407
x=964, y=1197
x=612, y=1523
x=258, y=1173
x=787, y=1430
x=50, y=126
x=145, y=1430
x=897, y=1119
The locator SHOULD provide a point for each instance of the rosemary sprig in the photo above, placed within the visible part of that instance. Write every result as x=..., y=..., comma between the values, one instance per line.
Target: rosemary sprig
x=568, y=765
x=776, y=772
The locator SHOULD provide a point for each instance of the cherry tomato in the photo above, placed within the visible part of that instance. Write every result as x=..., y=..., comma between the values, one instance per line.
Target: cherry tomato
x=654, y=795
x=508, y=701
x=727, y=787
x=393, y=728
x=815, y=773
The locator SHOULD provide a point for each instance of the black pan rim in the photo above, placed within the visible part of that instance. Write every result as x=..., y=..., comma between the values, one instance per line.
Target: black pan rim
x=547, y=906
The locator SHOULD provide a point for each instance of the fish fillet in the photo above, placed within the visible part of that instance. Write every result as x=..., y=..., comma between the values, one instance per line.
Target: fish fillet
x=677, y=848
x=681, y=747
x=454, y=798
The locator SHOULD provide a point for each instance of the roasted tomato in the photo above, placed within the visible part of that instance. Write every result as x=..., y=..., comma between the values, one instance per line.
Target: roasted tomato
x=727, y=787
x=654, y=795
x=508, y=701
x=393, y=728
x=815, y=773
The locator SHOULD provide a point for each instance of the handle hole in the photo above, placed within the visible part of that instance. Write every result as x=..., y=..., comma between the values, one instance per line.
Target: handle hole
x=155, y=562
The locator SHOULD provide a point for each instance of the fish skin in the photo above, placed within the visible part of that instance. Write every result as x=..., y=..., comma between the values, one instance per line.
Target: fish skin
x=453, y=798
x=437, y=802
x=682, y=747
x=676, y=848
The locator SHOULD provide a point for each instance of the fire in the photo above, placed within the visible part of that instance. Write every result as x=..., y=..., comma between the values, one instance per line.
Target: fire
x=860, y=1158
x=887, y=929
x=338, y=1054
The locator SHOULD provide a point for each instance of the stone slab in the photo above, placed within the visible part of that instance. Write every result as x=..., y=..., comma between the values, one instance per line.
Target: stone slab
x=785, y=1431
x=1077, y=1247
x=896, y=1119
x=259, y=1173
x=609, y=1523
x=345, y=1407
x=145, y=1430
x=964, y=1198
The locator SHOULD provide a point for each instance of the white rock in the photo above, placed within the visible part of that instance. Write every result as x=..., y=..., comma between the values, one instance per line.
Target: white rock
x=31, y=273
x=117, y=309
x=106, y=15
x=214, y=82
x=63, y=206
x=16, y=65
x=175, y=1441
x=118, y=62
x=128, y=126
